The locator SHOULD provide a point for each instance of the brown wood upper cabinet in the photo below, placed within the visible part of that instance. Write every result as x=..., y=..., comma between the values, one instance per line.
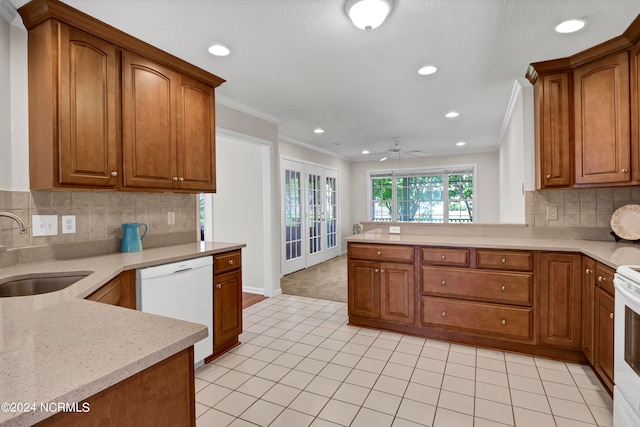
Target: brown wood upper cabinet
x=90, y=85
x=553, y=125
x=602, y=125
x=587, y=115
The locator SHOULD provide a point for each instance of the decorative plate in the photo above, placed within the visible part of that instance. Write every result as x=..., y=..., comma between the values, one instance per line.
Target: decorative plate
x=625, y=222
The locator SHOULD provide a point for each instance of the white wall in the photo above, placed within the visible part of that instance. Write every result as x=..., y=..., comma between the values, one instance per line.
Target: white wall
x=295, y=151
x=517, y=156
x=486, y=209
x=238, y=205
x=5, y=106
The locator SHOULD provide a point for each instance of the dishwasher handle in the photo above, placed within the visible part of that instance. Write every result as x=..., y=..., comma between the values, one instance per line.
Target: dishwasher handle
x=182, y=270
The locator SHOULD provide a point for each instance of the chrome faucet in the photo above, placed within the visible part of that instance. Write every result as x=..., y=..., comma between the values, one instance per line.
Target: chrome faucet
x=16, y=218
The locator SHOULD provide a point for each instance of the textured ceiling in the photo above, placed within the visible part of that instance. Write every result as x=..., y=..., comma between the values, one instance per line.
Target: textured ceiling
x=304, y=65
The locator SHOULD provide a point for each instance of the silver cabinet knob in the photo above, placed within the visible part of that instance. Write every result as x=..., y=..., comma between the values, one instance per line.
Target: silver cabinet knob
x=587, y=271
x=181, y=179
x=114, y=173
x=504, y=321
x=379, y=253
x=504, y=260
x=219, y=285
x=444, y=257
x=503, y=288
x=625, y=170
x=444, y=314
x=610, y=315
x=174, y=179
x=382, y=270
x=601, y=279
x=444, y=283
x=230, y=262
x=376, y=270
x=548, y=176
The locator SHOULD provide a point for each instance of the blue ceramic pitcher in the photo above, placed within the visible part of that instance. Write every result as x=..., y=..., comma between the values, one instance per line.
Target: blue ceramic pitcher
x=131, y=239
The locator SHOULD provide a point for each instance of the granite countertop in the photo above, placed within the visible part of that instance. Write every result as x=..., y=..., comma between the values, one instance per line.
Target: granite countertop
x=59, y=347
x=609, y=253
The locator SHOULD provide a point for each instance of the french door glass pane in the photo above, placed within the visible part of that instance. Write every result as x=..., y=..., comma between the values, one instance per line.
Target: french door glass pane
x=293, y=217
x=331, y=216
x=314, y=212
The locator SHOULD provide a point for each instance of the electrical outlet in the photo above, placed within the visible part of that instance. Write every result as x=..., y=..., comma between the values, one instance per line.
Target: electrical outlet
x=171, y=218
x=44, y=225
x=552, y=213
x=68, y=224
x=394, y=230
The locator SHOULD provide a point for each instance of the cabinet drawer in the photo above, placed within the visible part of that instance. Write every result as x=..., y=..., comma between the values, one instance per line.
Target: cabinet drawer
x=381, y=252
x=604, y=278
x=445, y=256
x=505, y=260
x=477, y=317
x=509, y=288
x=227, y=261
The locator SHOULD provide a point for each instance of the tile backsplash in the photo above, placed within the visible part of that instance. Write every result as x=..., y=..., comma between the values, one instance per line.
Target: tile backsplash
x=99, y=216
x=584, y=208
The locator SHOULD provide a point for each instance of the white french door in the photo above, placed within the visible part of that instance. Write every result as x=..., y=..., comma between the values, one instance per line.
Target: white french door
x=309, y=215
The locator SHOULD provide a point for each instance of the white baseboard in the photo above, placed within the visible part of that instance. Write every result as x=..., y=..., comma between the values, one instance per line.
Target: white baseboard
x=252, y=290
x=276, y=292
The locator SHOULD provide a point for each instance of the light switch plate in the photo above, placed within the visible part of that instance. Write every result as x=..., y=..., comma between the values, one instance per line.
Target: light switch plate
x=552, y=213
x=68, y=224
x=394, y=229
x=44, y=225
x=171, y=218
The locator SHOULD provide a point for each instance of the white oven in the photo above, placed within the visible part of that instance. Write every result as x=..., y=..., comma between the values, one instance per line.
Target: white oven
x=626, y=395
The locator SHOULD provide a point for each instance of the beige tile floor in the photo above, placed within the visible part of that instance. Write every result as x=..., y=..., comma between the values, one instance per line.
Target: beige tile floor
x=300, y=365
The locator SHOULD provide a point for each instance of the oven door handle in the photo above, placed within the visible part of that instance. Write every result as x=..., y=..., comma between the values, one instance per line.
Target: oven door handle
x=625, y=293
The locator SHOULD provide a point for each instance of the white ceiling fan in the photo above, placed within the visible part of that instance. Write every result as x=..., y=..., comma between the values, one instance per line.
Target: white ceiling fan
x=398, y=151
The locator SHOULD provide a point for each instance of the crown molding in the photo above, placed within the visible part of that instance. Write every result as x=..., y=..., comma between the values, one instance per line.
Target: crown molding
x=313, y=148
x=7, y=11
x=227, y=102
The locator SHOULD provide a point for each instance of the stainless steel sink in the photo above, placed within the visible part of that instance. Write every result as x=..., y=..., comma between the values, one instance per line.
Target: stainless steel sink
x=35, y=285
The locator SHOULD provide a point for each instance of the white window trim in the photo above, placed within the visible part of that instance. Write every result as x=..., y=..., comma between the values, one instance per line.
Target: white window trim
x=446, y=170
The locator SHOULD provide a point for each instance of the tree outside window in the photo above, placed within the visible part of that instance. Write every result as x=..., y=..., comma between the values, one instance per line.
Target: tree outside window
x=423, y=196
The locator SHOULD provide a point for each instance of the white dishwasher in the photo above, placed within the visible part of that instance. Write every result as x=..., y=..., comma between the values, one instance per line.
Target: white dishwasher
x=181, y=290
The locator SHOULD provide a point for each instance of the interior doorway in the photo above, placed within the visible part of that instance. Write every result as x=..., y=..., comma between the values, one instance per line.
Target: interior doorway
x=310, y=219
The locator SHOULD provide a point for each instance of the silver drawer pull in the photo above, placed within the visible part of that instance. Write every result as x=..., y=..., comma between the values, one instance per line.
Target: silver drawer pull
x=610, y=315
x=504, y=260
x=504, y=322
x=503, y=288
x=444, y=283
x=444, y=314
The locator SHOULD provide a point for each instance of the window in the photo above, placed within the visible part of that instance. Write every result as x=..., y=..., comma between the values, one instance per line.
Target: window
x=443, y=195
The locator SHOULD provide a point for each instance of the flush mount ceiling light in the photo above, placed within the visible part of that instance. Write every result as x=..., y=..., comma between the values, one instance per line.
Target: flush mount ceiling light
x=365, y=152
x=429, y=69
x=570, y=26
x=452, y=114
x=461, y=144
x=318, y=130
x=219, y=50
x=368, y=14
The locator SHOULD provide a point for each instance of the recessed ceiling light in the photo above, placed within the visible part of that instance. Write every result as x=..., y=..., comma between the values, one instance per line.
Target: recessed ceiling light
x=429, y=69
x=461, y=144
x=318, y=130
x=452, y=114
x=365, y=151
x=337, y=144
x=219, y=50
x=570, y=26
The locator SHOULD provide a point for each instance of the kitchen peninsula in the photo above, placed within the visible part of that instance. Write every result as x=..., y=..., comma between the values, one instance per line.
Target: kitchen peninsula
x=61, y=348
x=539, y=296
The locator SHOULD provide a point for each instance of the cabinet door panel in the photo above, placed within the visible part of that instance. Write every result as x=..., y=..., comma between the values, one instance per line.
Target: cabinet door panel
x=588, y=289
x=364, y=289
x=87, y=109
x=560, y=299
x=148, y=102
x=397, y=293
x=602, y=125
x=196, y=149
x=554, y=132
x=604, y=308
x=227, y=307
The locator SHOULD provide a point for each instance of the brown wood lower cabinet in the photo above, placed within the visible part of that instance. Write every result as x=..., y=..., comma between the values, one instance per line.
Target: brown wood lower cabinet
x=227, y=302
x=161, y=395
x=604, y=308
x=120, y=291
x=397, y=302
